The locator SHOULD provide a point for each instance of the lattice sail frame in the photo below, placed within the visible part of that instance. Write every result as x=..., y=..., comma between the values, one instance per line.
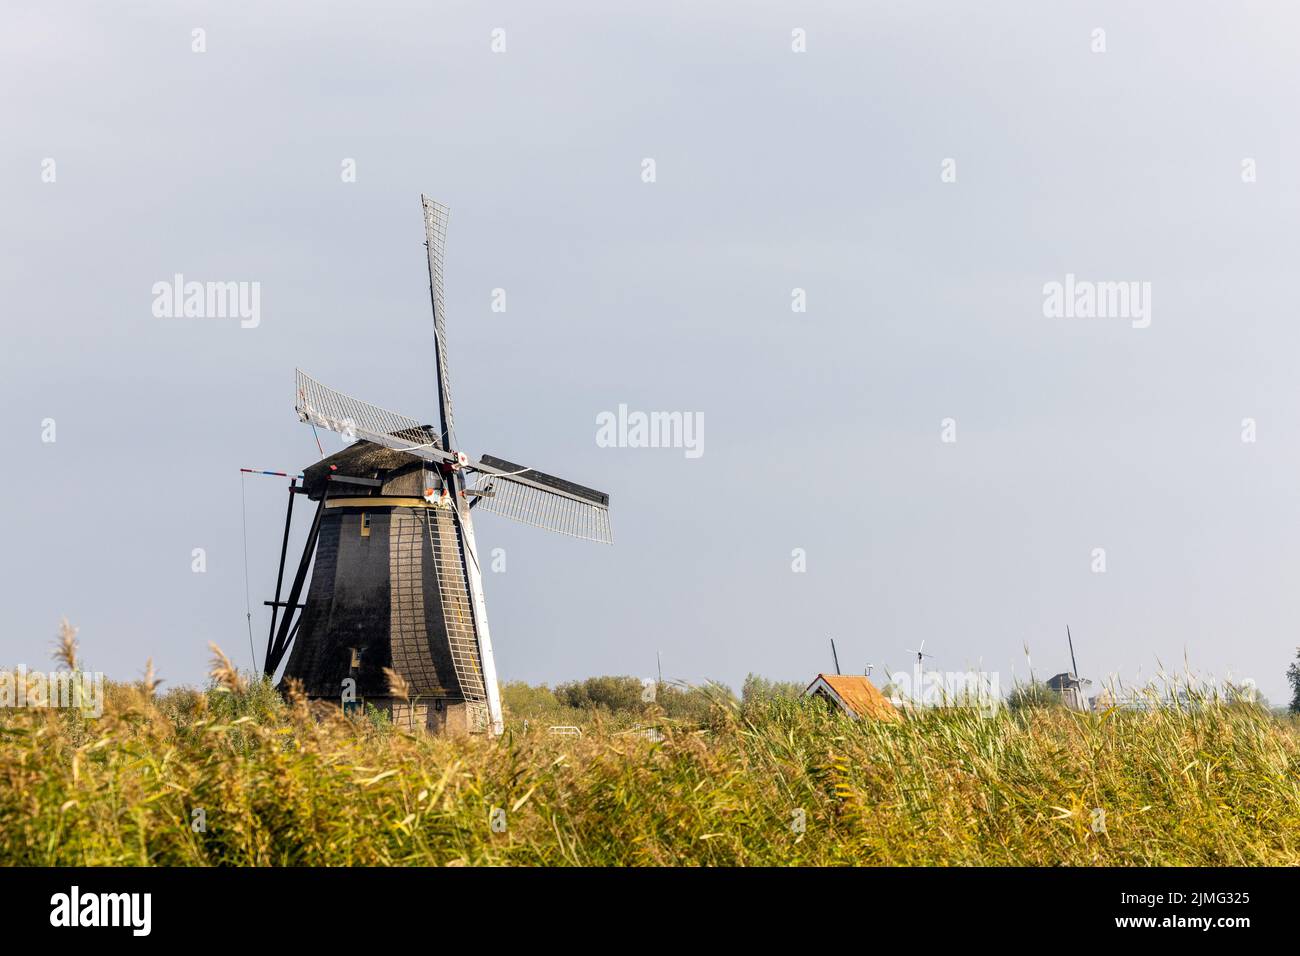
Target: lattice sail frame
x=352, y=418
x=448, y=553
x=543, y=508
x=436, y=217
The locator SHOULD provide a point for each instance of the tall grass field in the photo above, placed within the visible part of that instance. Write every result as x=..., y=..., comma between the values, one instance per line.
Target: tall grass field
x=235, y=775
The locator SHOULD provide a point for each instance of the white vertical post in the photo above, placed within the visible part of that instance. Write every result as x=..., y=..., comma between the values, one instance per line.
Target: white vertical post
x=495, y=721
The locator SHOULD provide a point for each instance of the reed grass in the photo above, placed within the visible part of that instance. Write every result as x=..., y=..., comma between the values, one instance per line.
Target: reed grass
x=779, y=782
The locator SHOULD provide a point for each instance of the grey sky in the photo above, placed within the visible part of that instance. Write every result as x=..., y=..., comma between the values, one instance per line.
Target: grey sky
x=775, y=170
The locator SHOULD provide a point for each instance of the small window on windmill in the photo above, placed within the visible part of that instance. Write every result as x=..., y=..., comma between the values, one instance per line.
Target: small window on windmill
x=365, y=524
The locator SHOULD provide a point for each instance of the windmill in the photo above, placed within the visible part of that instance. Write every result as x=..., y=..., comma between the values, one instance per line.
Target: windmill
x=1070, y=685
x=395, y=614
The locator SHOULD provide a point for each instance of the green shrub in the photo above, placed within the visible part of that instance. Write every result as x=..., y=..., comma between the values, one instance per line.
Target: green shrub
x=525, y=701
x=609, y=693
x=1032, y=696
x=758, y=689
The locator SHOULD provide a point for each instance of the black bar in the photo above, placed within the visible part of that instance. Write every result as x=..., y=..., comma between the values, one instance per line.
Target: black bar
x=542, y=478
x=977, y=901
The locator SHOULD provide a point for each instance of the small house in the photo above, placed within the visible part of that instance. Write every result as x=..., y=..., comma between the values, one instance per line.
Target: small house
x=853, y=694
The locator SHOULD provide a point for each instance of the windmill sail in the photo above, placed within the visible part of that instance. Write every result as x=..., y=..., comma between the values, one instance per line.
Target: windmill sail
x=435, y=234
x=448, y=554
x=514, y=491
x=544, y=501
x=351, y=417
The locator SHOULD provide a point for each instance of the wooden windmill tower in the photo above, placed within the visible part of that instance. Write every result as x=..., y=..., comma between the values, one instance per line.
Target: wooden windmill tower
x=396, y=583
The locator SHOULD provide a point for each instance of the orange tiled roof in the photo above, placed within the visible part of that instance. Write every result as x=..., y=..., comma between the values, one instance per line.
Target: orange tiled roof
x=860, y=695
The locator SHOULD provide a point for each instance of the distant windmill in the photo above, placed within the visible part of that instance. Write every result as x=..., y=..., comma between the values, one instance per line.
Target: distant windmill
x=835, y=656
x=1070, y=685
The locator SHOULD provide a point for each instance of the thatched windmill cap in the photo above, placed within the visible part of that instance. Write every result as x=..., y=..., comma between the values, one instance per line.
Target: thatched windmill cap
x=363, y=459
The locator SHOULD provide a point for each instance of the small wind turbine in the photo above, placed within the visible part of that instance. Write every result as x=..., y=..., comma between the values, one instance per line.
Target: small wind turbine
x=835, y=655
x=919, y=652
x=918, y=674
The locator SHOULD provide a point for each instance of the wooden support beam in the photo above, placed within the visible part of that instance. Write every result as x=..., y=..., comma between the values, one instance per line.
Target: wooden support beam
x=367, y=482
x=279, y=577
x=282, y=636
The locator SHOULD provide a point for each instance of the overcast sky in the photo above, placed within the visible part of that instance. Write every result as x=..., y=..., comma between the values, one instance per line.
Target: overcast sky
x=775, y=170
